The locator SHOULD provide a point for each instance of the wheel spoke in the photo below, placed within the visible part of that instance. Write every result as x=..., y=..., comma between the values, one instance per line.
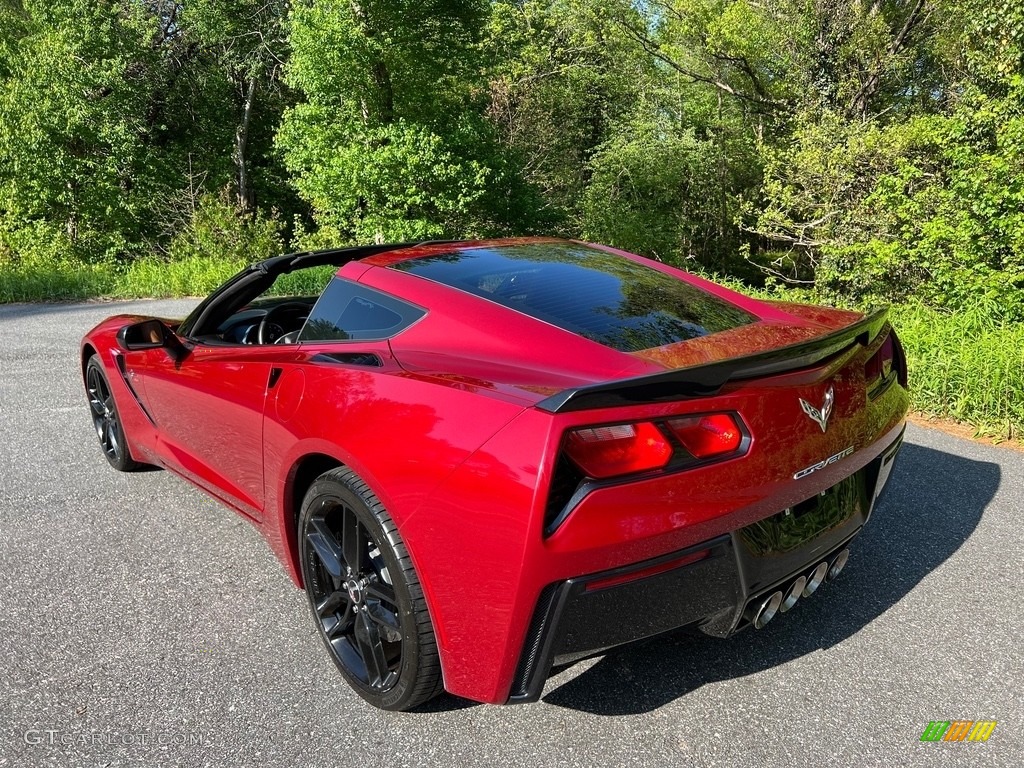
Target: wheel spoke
x=326, y=546
x=97, y=393
x=96, y=403
x=371, y=650
x=381, y=591
x=354, y=542
x=385, y=617
x=330, y=604
x=338, y=626
x=113, y=437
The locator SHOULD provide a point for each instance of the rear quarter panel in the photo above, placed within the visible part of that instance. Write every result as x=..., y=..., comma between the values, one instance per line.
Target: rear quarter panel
x=401, y=434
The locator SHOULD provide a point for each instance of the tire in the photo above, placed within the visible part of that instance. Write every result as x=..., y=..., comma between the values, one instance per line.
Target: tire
x=364, y=595
x=105, y=419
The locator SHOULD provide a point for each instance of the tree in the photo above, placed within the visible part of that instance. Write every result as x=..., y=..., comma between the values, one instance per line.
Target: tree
x=927, y=205
x=248, y=41
x=117, y=117
x=73, y=157
x=390, y=141
x=560, y=79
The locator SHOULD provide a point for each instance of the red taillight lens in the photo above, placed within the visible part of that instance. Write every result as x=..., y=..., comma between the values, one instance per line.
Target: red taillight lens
x=707, y=436
x=618, y=449
x=900, y=361
x=879, y=367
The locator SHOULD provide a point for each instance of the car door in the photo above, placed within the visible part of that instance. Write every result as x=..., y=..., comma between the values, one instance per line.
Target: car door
x=343, y=350
x=208, y=404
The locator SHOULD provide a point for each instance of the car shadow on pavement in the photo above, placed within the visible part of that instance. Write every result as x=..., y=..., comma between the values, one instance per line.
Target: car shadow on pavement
x=933, y=503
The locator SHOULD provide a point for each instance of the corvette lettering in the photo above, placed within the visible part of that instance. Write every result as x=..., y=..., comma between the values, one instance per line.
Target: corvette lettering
x=822, y=464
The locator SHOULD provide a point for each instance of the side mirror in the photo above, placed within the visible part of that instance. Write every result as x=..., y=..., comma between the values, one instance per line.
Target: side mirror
x=149, y=334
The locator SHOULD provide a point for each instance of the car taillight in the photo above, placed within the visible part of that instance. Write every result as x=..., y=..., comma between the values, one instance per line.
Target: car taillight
x=878, y=371
x=619, y=449
x=598, y=453
x=880, y=364
x=707, y=436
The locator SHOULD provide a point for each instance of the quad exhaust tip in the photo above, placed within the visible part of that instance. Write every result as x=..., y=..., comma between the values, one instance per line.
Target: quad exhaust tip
x=816, y=578
x=802, y=586
x=766, y=610
x=838, y=564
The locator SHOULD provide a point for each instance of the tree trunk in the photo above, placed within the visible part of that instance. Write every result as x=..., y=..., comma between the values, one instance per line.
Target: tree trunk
x=245, y=195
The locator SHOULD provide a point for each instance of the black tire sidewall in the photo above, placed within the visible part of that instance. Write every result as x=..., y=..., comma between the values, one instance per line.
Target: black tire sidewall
x=332, y=489
x=124, y=461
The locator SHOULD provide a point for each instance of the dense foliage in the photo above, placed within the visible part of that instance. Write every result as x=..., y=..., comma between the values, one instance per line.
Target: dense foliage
x=871, y=149
x=866, y=150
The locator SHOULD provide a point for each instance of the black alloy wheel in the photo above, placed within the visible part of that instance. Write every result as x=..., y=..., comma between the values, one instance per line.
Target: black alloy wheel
x=364, y=594
x=105, y=419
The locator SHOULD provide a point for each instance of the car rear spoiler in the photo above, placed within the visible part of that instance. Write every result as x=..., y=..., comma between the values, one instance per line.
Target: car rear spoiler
x=707, y=379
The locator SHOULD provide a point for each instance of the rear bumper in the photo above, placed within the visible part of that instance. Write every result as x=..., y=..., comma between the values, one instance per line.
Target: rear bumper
x=711, y=585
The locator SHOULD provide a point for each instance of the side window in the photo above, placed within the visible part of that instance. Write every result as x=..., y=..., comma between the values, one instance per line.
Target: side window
x=347, y=311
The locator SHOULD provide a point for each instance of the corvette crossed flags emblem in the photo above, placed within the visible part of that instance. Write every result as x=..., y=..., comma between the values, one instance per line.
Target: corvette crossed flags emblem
x=820, y=417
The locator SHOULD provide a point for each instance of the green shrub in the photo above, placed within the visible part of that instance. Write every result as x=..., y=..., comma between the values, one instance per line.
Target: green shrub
x=221, y=230
x=220, y=239
x=37, y=264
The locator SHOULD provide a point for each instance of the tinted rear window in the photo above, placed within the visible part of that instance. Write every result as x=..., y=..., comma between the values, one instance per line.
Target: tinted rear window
x=612, y=300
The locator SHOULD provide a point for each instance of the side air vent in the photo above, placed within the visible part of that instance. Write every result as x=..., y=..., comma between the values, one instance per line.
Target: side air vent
x=122, y=369
x=535, y=657
x=367, y=359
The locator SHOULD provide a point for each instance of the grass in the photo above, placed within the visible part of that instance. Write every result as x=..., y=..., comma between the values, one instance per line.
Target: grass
x=145, y=278
x=308, y=282
x=56, y=281
x=963, y=366
x=966, y=367
x=184, y=277
x=142, y=279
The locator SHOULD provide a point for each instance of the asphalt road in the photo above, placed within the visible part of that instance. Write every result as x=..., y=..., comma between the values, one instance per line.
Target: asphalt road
x=143, y=624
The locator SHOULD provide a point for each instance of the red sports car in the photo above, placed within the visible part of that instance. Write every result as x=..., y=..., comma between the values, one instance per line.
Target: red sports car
x=485, y=459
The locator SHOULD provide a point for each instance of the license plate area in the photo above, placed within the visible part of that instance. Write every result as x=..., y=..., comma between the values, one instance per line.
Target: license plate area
x=775, y=547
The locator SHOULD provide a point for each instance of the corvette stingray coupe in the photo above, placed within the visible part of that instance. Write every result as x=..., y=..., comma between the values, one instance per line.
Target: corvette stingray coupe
x=486, y=460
